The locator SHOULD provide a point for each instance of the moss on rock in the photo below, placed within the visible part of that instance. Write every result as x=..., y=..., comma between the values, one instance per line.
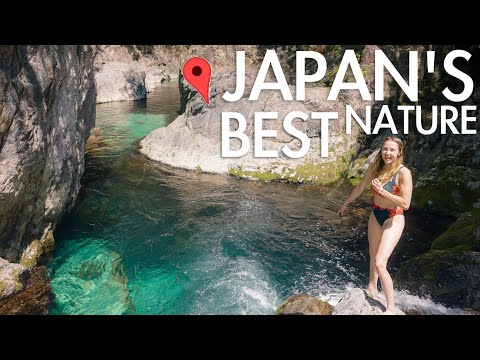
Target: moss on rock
x=302, y=304
x=308, y=172
x=10, y=278
x=461, y=235
x=447, y=276
x=356, y=171
x=257, y=175
x=454, y=188
x=305, y=173
x=31, y=254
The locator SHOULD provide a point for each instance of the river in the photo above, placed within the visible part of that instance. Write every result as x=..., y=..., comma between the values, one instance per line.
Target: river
x=145, y=238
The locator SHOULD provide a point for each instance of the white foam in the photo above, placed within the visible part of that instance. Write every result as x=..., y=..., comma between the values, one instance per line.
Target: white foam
x=406, y=301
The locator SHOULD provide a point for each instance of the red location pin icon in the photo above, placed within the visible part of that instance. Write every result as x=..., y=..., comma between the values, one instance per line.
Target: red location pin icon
x=197, y=71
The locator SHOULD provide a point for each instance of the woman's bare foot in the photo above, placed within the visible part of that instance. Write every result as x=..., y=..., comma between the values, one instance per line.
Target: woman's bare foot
x=371, y=293
x=389, y=312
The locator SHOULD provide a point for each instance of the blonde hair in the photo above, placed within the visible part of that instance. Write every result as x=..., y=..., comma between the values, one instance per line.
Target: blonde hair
x=379, y=165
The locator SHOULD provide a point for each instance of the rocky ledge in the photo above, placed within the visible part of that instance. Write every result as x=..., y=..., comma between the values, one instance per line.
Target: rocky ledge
x=354, y=302
x=193, y=141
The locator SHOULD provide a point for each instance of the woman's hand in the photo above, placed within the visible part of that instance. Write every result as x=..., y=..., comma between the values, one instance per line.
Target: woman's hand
x=343, y=209
x=377, y=186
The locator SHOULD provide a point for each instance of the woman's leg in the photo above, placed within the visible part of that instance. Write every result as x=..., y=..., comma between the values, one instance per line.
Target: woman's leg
x=392, y=231
x=374, y=237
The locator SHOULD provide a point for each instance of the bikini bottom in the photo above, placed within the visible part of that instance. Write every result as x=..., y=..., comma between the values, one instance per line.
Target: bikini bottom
x=382, y=214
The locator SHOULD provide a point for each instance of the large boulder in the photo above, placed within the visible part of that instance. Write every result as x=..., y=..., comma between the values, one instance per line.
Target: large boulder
x=303, y=304
x=193, y=140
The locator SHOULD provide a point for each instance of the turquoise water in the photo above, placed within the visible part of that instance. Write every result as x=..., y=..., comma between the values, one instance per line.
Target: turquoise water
x=144, y=238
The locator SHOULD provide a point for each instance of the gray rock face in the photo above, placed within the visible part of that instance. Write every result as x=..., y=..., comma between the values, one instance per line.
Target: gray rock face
x=357, y=302
x=130, y=72
x=47, y=109
x=193, y=140
x=119, y=81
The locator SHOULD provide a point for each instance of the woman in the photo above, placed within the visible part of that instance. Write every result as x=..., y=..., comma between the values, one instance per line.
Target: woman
x=391, y=182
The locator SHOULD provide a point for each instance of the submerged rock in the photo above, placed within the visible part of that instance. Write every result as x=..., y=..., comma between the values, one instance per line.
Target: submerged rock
x=91, y=281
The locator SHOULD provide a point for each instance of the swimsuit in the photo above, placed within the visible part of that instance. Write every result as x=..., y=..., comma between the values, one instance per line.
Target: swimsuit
x=382, y=214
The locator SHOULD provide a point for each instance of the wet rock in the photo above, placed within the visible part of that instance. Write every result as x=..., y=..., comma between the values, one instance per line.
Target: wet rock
x=10, y=281
x=34, y=299
x=304, y=305
x=92, y=281
x=358, y=302
x=449, y=277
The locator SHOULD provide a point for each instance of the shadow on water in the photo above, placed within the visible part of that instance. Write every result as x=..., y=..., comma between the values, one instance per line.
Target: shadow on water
x=145, y=238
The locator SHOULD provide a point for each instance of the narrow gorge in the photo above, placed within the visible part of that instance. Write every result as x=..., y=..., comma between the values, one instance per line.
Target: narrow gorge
x=156, y=194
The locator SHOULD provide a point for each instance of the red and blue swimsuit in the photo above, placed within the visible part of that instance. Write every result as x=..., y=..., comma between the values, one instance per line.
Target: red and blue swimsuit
x=382, y=214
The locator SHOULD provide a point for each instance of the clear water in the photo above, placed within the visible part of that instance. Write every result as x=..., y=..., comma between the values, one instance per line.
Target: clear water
x=145, y=238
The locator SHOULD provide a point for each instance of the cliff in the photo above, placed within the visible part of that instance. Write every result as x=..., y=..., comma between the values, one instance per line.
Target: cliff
x=47, y=109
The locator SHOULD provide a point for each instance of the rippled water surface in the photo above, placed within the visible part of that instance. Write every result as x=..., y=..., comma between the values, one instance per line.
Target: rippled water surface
x=145, y=238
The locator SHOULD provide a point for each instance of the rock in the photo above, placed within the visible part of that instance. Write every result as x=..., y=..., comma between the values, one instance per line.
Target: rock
x=34, y=299
x=414, y=312
x=13, y=275
x=193, y=139
x=450, y=277
x=91, y=281
x=119, y=81
x=154, y=77
x=10, y=281
x=463, y=234
x=304, y=305
x=129, y=72
x=357, y=302
x=47, y=108
x=451, y=187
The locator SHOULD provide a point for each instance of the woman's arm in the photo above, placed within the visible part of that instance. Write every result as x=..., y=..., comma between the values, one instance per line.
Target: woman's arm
x=357, y=191
x=406, y=186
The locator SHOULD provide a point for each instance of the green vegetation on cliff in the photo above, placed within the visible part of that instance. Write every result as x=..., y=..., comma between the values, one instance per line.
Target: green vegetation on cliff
x=461, y=235
x=454, y=188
